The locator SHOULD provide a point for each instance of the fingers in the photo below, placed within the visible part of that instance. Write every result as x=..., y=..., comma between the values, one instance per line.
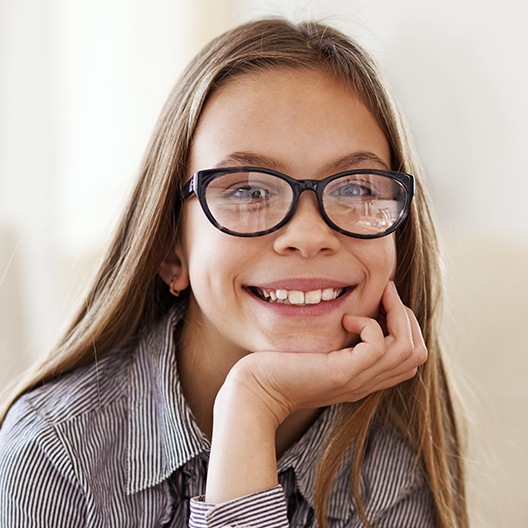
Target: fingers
x=372, y=340
x=389, y=357
x=393, y=381
x=397, y=319
x=418, y=339
x=404, y=337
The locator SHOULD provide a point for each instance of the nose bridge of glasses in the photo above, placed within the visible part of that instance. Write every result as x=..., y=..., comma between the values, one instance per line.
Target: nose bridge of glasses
x=307, y=185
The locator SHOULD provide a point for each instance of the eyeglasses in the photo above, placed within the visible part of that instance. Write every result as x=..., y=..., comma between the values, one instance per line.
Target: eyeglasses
x=250, y=202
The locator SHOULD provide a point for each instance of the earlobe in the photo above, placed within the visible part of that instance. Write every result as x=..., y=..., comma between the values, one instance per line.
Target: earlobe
x=173, y=271
x=172, y=290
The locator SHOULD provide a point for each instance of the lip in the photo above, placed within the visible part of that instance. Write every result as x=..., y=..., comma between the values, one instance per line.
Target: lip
x=301, y=284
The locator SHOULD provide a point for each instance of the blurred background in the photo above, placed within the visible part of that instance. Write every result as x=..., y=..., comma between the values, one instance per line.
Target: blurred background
x=82, y=83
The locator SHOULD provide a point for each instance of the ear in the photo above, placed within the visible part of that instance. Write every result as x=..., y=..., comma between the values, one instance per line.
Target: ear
x=174, y=269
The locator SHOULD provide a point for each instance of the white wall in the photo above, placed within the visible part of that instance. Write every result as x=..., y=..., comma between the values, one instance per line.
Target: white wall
x=81, y=84
x=459, y=70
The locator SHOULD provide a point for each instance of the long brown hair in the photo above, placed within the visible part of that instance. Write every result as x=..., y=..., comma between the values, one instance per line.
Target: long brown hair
x=128, y=296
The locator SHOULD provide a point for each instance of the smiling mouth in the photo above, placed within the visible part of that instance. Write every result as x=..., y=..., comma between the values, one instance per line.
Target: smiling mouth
x=298, y=297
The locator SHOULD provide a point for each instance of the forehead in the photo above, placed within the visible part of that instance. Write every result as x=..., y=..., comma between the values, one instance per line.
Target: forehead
x=292, y=116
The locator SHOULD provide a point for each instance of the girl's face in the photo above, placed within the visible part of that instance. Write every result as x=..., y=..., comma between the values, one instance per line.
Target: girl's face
x=305, y=124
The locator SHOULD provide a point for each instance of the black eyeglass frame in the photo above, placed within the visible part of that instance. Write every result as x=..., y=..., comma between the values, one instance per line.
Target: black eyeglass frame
x=200, y=179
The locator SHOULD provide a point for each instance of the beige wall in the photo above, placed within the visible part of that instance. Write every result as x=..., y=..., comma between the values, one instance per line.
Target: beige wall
x=486, y=334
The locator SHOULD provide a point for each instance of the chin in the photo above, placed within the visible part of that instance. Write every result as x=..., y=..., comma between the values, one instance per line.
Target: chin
x=312, y=344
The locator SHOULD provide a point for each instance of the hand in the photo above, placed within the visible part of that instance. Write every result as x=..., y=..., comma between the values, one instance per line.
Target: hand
x=264, y=388
x=281, y=383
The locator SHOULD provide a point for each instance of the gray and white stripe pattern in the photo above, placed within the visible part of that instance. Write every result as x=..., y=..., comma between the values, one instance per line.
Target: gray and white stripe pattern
x=115, y=445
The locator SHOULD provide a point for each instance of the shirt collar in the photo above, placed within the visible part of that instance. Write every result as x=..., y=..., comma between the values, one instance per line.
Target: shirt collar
x=163, y=434
x=303, y=458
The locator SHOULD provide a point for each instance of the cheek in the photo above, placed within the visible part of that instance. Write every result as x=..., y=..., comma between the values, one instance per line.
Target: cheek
x=212, y=257
x=196, y=246
x=198, y=236
x=377, y=261
x=392, y=256
x=379, y=258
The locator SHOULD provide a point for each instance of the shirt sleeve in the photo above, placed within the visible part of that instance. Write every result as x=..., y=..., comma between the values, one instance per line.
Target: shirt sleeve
x=265, y=509
x=38, y=487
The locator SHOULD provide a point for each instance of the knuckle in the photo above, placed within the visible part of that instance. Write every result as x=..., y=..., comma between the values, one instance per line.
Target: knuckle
x=419, y=356
x=412, y=354
x=337, y=373
x=377, y=353
x=405, y=352
x=372, y=352
x=423, y=354
x=411, y=373
x=339, y=378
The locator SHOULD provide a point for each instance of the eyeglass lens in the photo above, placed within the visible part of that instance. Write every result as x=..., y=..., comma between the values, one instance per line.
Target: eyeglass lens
x=251, y=201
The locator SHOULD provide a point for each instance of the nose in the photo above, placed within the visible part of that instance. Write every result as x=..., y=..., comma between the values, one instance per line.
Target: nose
x=306, y=233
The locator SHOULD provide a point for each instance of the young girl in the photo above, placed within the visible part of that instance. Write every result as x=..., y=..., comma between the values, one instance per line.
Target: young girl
x=254, y=349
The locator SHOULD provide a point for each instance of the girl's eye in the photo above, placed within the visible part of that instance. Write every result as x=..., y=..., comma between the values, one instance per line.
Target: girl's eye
x=353, y=190
x=247, y=193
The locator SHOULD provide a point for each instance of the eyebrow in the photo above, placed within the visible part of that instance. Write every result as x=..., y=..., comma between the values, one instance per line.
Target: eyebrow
x=362, y=159
x=236, y=159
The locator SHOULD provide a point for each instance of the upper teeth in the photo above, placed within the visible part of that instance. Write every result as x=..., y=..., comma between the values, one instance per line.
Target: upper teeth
x=299, y=297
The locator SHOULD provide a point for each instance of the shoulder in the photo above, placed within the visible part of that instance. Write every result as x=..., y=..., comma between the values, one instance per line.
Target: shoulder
x=80, y=392
x=40, y=417
x=63, y=400
x=33, y=461
x=52, y=437
x=54, y=411
x=66, y=448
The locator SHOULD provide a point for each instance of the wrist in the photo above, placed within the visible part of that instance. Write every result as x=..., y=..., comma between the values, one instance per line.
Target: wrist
x=243, y=449
x=247, y=386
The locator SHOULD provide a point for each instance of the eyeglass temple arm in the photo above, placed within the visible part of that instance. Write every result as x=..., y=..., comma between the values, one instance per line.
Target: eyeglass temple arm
x=188, y=189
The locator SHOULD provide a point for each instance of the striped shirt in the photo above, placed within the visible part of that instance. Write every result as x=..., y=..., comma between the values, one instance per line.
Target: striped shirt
x=115, y=444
